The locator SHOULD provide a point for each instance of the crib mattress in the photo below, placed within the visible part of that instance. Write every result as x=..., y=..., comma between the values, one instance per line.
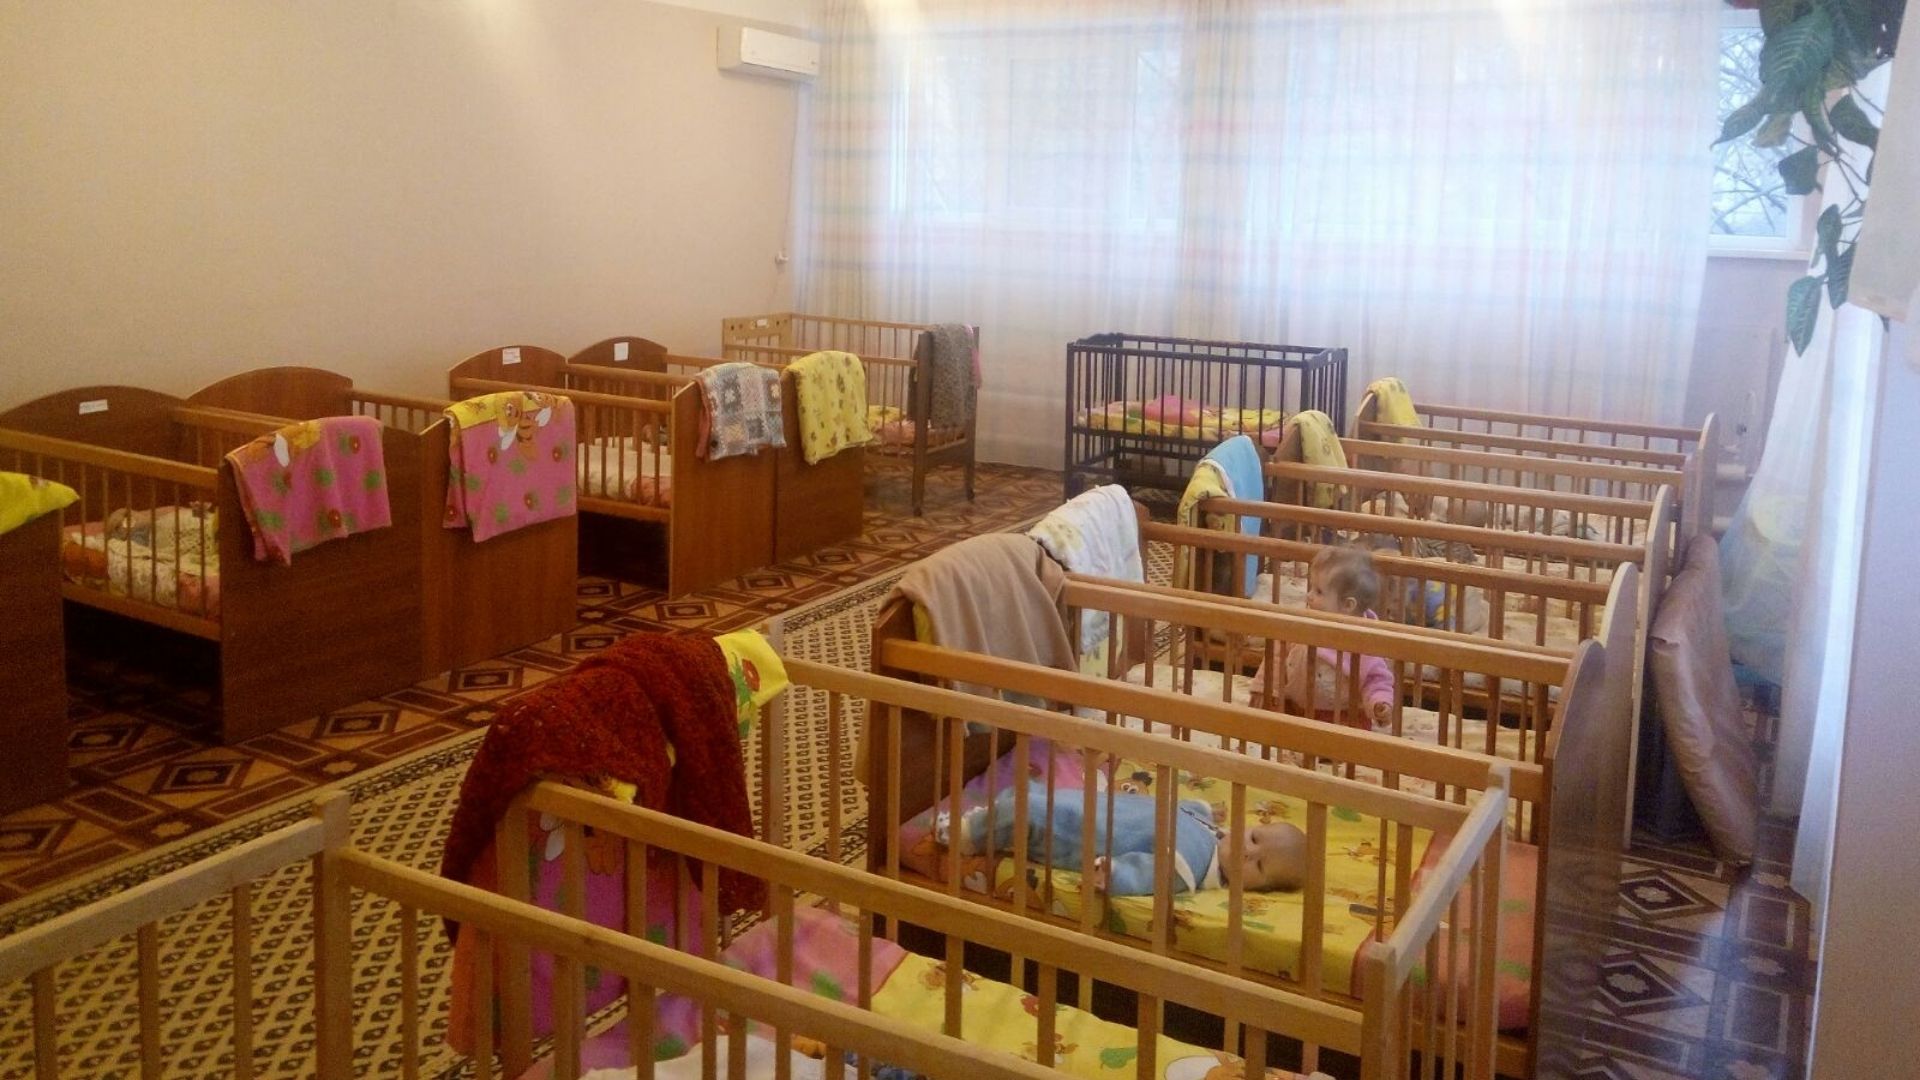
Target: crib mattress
x=154, y=566
x=1271, y=922
x=1181, y=419
x=629, y=472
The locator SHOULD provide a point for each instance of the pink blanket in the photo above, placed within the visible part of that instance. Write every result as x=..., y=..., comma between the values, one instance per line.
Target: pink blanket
x=511, y=462
x=311, y=482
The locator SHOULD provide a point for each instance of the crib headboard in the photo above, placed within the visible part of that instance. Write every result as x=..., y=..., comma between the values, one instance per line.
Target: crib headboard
x=638, y=354
x=299, y=393
x=528, y=365
x=125, y=418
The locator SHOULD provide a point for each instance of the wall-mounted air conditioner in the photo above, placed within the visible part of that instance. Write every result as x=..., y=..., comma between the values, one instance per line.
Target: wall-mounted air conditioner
x=763, y=52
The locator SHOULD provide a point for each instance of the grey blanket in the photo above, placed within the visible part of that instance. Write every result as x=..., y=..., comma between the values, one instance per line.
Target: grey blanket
x=950, y=363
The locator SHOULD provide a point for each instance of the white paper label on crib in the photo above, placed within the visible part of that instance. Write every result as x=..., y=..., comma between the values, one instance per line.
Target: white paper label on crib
x=510, y=355
x=762, y=322
x=88, y=408
x=620, y=350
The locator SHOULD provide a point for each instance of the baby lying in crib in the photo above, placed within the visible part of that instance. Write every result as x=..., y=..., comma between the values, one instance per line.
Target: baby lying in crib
x=1273, y=858
x=1344, y=581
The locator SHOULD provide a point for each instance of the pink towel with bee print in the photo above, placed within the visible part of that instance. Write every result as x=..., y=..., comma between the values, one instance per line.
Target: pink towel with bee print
x=511, y=461
x=312, y=482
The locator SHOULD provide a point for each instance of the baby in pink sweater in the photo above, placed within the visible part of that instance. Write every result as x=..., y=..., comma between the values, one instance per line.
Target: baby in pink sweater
x=1344, y=581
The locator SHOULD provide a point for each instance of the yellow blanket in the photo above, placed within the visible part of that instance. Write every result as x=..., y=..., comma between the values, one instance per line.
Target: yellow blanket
x=1396, y=405
x=1320, y=445
x=757, y=671
x=1003, y=1017
x=23, y=498
x=505, y=409
x=832, y=404
x=1208, y=482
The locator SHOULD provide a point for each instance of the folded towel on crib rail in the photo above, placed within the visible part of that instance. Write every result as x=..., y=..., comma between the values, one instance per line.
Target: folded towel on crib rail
x=311, y=482
x=509, y=462
x=740, y=410
x=832, y=405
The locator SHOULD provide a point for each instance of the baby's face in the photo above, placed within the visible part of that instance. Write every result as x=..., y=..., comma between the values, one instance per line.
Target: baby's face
x=1321, y=598
x=1272, y=858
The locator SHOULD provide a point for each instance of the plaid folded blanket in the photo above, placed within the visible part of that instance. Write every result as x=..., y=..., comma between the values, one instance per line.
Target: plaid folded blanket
x=741, y=410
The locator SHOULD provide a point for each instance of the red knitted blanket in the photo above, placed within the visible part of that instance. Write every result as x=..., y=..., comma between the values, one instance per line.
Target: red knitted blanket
x=612, y=718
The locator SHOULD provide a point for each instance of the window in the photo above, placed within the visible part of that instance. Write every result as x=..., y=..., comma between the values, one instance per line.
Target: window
x=1752, y=212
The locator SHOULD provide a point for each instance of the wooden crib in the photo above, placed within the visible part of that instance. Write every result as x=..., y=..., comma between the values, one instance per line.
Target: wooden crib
x=900, y=402
x=1523, y=528
x=33, y=664
x=814, y=505
x=1568, y=760
x=337, y=626
x=1397, y=1024
x=479, y=600
x=638, y=434
x=1685, y=458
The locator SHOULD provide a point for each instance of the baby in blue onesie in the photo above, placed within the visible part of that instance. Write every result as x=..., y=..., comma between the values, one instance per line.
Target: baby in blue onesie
x=1274, y=856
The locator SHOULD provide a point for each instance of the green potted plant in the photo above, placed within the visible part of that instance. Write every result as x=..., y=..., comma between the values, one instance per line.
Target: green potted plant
x=1816, y=53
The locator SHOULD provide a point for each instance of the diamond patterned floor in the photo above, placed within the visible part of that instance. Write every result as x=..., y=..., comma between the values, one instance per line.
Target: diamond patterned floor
x=1708, y=972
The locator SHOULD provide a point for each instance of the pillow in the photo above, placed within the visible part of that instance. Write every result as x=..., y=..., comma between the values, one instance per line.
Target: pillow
x=23, y=498
x=1699, y=706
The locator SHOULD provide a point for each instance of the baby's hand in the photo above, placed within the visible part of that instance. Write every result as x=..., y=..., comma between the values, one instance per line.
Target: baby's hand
x=1100, y=874
x=1382, y=714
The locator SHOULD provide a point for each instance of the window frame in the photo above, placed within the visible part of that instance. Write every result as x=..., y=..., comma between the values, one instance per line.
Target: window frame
x=1797, y=245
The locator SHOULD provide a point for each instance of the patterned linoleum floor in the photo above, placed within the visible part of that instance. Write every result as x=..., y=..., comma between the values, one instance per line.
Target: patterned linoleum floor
x=1707, y=971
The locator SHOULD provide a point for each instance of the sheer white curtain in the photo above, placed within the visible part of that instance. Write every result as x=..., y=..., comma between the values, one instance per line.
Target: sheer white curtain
x=1500, y=200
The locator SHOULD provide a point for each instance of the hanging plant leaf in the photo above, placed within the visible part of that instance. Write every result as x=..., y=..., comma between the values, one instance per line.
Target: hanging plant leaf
x=1800, y=170
x=1741, y=120
x=1814, y=108
x=1839, y=276
x=1850, y=120
x=1774, y=132
x=1828, y=231
x=1796, y=59
x=1853, y=33
x=1803, y=311
x=1777, y=15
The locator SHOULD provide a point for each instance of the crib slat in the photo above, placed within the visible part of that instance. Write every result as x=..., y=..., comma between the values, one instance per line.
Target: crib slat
x=1047, y=984
x=639, y=998
x=242, y=901
x=709, y=948
x=835, y=781
x=955, y=763
x=891, y=825
x=147, y=940
x=409, y=992
x=46, y=1025
x=1148, y=1022
x=783, y=973
x=1486, y=931
x=955, y=982
x=736, y=1046
x=569, y=1006
x=516, y=982
x=483, y=1017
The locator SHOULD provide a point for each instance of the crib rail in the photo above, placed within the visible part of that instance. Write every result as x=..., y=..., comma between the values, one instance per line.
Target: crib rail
x=1497, y=506
x=1667, y=438
x=37, y=952
x=888, y=351
x=1604, y=478
x=142, y=539
x=1459, y=596
x=400, y=411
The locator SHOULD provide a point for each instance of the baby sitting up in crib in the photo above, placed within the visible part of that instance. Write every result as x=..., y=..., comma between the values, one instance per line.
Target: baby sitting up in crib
x=1273, y=857
x=1341, y=580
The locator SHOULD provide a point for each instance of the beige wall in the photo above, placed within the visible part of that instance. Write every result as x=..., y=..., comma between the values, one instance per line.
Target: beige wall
x=377, y=186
